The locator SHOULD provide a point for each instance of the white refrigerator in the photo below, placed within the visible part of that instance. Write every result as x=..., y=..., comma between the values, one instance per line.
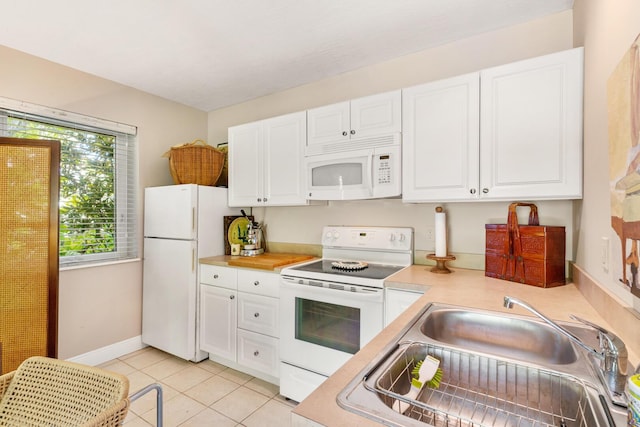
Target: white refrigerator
x=182, y=223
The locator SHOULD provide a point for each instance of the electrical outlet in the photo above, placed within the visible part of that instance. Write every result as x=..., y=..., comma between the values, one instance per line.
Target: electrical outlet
x=604, y=254
x=431, y=231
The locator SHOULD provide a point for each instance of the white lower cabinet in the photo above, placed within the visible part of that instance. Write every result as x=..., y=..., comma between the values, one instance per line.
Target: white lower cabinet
x=239, y=323
x=397, y=301
x=260, y=352
x=218, y=323
x=258, y=313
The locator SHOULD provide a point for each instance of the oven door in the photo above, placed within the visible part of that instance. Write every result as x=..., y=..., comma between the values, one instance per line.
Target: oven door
x=322, y=327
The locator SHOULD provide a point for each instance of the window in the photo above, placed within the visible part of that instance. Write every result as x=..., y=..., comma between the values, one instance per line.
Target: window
x=97, y=179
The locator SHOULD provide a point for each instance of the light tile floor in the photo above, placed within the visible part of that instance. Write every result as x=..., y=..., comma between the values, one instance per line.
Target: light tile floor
x=199, y=394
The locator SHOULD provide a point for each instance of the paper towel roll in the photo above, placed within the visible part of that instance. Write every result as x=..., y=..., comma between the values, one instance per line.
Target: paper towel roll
x=441, y=233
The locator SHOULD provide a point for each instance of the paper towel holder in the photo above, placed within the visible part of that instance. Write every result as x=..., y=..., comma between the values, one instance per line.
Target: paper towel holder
x=440, y=266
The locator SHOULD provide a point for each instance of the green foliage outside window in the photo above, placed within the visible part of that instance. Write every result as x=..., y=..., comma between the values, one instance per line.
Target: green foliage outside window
x=87, y=185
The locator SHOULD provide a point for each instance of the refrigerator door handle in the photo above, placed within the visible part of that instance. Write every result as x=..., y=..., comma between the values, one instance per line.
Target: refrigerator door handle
x=193, y=259
x=193, y=219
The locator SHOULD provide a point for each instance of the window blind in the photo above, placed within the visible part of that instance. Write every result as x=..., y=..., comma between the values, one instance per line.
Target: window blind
x=97, y=179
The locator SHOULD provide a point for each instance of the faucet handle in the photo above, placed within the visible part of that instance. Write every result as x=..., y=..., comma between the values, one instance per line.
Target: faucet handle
x=610, y=344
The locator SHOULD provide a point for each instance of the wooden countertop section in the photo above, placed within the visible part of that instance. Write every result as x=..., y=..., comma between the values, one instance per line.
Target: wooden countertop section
x=267, y=261
x=462, y=287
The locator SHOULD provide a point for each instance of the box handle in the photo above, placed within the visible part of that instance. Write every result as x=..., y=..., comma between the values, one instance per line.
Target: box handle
x=513, y=245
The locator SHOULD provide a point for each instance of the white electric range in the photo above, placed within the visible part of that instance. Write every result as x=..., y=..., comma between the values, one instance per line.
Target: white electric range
x=330, y=308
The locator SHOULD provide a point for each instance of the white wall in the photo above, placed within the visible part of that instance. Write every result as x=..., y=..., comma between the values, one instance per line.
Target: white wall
x=606, y=29
x=100, y=306
x=466, y=220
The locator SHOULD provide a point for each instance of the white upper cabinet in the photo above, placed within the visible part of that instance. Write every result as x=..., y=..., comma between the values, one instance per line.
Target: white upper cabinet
x=246, y=165
x=266, y=161
x=531, y=128
x=359, y=118
x=441, y=136
x=508, y=132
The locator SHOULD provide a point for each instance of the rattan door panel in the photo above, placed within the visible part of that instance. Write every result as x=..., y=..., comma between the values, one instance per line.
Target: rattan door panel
x=29, y=184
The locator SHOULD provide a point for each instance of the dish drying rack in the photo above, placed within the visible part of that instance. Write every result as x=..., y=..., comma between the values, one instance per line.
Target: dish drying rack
x=479, y=391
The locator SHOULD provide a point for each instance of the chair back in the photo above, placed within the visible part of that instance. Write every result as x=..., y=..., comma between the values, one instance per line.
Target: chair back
x=52, y=392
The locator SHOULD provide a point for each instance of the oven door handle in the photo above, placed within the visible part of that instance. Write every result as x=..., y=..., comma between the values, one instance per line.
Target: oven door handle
x=374, y=294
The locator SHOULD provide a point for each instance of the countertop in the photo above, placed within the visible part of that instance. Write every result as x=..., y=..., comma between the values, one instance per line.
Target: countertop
x=462, y=287
x=230, y=260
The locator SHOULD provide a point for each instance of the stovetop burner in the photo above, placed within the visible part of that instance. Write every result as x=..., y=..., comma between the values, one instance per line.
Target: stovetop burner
x=349, y=265
x=353, y=255
x=324, y=269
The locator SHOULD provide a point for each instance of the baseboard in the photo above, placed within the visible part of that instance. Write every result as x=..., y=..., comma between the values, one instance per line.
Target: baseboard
x=110, y=352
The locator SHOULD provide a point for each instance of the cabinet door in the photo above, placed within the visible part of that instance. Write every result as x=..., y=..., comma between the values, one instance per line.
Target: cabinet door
x=531, y=128
x=246, y=165
x=375, y=115
x=397, y=301
x=284, y=143
x=440, y=152
x=330, y=123
x=218, y=321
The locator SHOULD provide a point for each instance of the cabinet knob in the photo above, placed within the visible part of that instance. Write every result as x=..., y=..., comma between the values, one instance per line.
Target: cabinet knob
x=472, y=191
x=344, y=133
x=256, y=283
x=256, y=314
x=232, y=297
x=215, y=276
x=256, y=353
x=353, y=132
x=485, y=190
x=265, y=200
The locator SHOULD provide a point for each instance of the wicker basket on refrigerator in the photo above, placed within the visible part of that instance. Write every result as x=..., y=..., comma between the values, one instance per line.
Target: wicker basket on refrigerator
x=195, y=163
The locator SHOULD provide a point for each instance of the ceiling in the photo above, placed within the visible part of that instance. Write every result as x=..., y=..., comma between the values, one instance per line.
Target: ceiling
x=210, y=54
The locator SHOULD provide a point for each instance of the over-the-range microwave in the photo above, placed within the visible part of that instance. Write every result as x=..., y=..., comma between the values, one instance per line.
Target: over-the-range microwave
x=369, y=168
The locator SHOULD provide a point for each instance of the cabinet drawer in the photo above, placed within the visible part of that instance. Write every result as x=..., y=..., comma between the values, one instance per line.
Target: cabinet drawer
x=258, y=352
x=257, y=282
x=224, y=277
x=258, y=313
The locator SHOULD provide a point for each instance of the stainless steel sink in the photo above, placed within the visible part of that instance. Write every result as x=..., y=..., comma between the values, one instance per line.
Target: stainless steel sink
x=499, y=370
x=507, y=336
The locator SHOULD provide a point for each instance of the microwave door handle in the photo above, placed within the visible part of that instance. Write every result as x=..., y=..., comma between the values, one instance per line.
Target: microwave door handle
x=371, y=162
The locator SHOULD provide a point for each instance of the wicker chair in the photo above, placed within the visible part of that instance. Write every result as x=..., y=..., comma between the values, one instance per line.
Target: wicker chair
x=51, y=392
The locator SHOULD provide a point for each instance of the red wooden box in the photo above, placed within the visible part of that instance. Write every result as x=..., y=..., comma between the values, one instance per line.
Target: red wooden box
x=532, y=254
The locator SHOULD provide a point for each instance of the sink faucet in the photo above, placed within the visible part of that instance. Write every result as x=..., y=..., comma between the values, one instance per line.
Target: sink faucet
x=612, y=355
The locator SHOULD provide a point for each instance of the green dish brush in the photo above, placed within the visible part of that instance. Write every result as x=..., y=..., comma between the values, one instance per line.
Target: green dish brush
x=427, y=372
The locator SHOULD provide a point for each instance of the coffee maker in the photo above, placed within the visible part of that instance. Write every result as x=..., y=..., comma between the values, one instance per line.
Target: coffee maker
x=254, y=241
